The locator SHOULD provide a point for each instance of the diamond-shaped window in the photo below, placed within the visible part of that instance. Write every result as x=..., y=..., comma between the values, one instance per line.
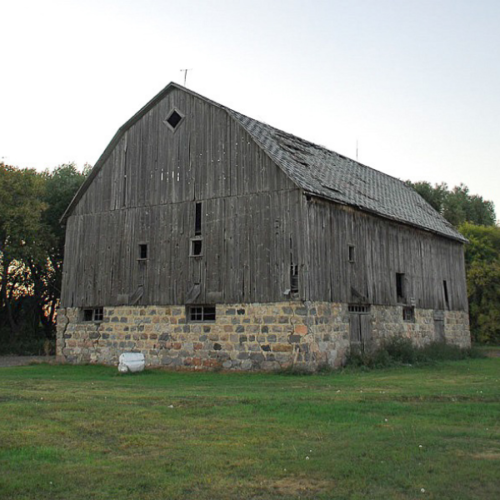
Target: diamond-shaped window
x=173, y=119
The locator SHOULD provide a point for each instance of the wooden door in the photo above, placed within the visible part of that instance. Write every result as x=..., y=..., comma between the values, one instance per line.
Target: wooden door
x=360, y=327
x=439, y=335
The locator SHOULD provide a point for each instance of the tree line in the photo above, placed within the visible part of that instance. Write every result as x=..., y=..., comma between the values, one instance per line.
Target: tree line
x=32, y=251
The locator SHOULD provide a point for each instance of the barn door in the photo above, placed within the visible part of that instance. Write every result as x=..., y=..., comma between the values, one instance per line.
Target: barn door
x=360, y=328
x=439, y=335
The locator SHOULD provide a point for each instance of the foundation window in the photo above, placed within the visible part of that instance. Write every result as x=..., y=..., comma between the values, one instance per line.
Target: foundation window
x=446, y=297
x=400, y=287
x=409, y=314
x=200, y=314
x=143, y=251
x=196, y=247
x=197, y=220
x=359, y=308
x=351, y=253
x=92, y=314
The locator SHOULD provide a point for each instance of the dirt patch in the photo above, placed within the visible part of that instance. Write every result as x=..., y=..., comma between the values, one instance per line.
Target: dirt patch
x=487, y=455
x=6, y=361
x=299, y=485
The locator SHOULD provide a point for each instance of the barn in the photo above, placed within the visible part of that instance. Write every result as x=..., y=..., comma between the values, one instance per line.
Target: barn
x=204, y=238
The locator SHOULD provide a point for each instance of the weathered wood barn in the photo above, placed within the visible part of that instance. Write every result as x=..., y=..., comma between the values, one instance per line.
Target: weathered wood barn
x=205, y=238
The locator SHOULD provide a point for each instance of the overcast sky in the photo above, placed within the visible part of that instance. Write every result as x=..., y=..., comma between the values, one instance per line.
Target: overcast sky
x=416, y=83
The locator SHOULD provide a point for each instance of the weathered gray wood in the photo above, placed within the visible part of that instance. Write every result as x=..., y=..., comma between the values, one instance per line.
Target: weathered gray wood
x=256, y=223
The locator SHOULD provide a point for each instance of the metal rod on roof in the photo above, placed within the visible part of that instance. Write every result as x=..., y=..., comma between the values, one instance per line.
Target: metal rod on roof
x=356, y=150
x=185, y=74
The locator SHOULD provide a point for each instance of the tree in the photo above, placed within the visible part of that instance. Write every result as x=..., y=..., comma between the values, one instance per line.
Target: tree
x=32, y=245
x=457, y=205
x=482, y=260
x=21, y=208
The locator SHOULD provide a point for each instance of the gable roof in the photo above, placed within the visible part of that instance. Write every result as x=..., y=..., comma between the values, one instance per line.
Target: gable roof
x=316, y=170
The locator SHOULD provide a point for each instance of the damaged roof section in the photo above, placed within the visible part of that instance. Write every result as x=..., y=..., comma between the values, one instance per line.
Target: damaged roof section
x=333, y=176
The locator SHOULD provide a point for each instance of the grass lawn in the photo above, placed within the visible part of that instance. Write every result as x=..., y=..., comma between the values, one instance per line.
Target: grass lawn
x=85, y=432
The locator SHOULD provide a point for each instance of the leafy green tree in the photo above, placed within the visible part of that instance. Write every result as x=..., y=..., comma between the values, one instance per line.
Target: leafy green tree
x=456, y=205
x=32, y=245
x=482, y=257
x=21, y=208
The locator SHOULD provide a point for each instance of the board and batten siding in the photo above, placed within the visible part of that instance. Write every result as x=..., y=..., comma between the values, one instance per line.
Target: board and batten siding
x=382, y=248
x=248, y=246
x=146, y=192
x=255, y=223
x=209, y=155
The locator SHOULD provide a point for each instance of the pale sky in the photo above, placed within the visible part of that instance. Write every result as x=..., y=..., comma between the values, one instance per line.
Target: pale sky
x=415, y=82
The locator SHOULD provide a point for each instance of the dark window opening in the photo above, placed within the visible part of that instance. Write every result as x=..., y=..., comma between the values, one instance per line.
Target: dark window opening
x=197, y=220
x=359, y=308
x=196, y=248
x=174, y=119
x=198, y=314
x=409, y=313
x=93, y=314
x=294, y=278
x=143, y=251
x=446, y=297
x=88, y=314
x=400, y=291
x=351, y=253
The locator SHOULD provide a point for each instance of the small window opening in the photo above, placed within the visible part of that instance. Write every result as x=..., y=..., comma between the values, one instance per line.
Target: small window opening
x=173, y=119
x=88, y=314
x=294, y=278
x=351, y=253
x=93, y=314
x=143, y=251
x=409, y=314
x=197, y=220
x=446, y=297
x=359, y=308
x=196, y=247
x=400, y=292
x=98, y=314
x=200, y=314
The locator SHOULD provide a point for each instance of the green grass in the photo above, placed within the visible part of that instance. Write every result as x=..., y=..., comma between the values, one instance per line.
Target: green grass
x=85, y=432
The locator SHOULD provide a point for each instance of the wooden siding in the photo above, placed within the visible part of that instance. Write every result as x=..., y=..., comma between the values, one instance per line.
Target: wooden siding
x=255, y=224
x=146, y=192
x=249, y=243
x=208, y=156
x=381, y=249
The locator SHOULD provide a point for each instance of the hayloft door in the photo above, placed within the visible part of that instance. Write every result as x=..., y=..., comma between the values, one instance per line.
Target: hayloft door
x=360, y=328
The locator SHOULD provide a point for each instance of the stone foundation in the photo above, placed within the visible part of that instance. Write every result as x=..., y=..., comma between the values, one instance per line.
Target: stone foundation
x=243, y=337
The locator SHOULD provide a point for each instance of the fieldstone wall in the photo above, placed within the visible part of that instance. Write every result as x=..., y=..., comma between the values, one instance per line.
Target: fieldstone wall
x=388, y=322
x=244, y=336
x=457, y=328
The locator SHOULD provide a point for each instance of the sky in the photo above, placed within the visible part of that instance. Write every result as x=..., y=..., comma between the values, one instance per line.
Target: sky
x=409, y=87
